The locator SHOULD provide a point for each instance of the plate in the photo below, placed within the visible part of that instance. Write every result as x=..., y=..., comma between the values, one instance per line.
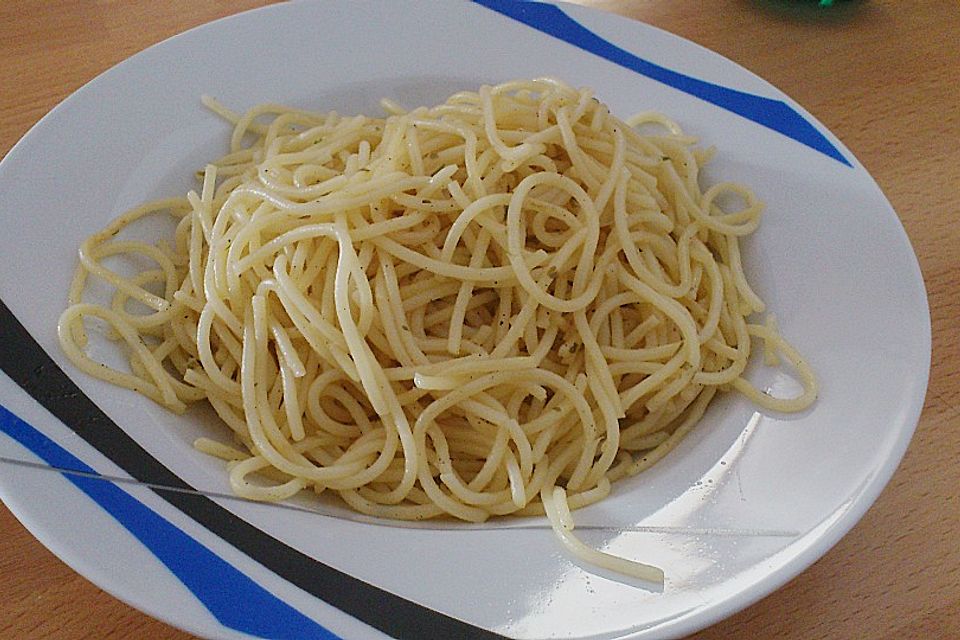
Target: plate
x=746, y=502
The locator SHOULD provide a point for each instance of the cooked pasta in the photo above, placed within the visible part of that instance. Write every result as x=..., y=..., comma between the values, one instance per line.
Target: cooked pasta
x=498, y=305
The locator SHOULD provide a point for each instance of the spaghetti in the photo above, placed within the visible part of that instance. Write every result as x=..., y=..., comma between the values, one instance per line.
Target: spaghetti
x=498, y=305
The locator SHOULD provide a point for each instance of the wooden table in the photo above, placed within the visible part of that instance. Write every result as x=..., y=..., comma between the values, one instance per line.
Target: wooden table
x=883, y=75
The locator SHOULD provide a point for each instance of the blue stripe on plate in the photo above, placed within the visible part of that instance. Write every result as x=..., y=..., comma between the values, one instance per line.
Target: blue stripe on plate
x=233, y=598
x=773, y=114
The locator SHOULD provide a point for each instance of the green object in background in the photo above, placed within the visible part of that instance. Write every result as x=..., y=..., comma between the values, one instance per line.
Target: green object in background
x=826, y=3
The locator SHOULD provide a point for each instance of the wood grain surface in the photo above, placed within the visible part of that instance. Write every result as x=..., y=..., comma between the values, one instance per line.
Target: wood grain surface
x=884, y=75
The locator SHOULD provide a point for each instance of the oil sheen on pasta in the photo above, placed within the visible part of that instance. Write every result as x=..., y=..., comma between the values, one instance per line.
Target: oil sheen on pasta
x=497, y=305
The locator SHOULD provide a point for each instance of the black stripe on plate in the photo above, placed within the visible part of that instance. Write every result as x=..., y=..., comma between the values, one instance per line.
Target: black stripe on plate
x=25, y=361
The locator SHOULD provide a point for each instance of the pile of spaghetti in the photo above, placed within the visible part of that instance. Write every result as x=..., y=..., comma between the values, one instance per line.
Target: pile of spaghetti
x=498, y=305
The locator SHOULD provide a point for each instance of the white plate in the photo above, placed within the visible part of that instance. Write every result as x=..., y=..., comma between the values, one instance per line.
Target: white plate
x=747, y=501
